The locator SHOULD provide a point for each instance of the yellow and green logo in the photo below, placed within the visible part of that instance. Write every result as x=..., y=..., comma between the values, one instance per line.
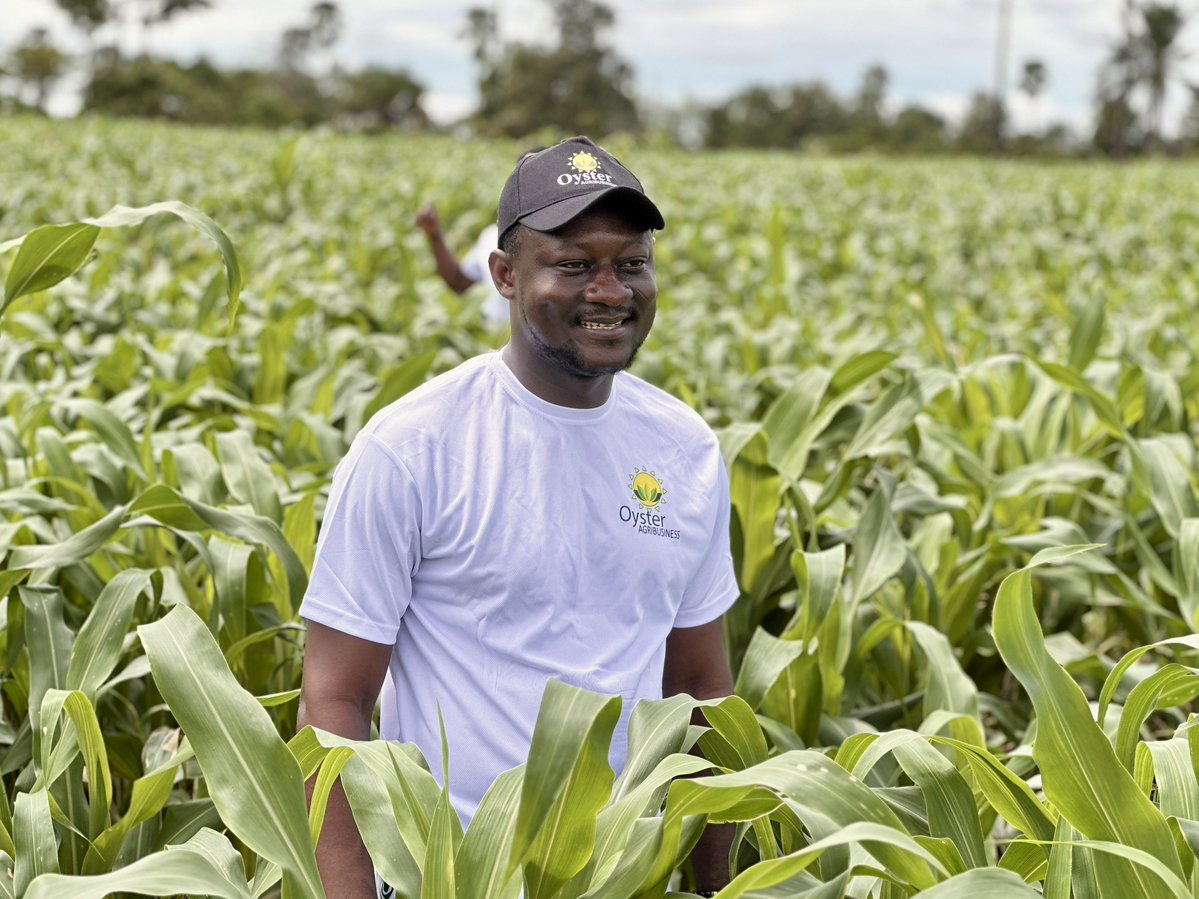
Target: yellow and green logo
x=584, y=162
x=647, y=488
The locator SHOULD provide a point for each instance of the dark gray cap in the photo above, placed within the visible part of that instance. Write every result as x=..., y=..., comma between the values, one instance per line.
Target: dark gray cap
x=551, y=187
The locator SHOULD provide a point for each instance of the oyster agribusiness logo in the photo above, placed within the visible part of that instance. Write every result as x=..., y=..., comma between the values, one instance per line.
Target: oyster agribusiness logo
x=647, y=490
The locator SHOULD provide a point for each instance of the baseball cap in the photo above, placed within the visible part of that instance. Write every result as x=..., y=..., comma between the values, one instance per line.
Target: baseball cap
x=549, y=188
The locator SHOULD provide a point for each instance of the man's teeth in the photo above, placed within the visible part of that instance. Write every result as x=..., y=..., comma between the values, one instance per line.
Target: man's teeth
x=602, y=326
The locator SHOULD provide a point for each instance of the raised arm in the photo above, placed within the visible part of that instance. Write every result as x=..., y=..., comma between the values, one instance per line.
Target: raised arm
x=447, y=263
x=342, y=679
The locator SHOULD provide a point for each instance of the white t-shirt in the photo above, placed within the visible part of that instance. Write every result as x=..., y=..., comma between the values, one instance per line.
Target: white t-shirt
x=476, y=266
x=498, y=540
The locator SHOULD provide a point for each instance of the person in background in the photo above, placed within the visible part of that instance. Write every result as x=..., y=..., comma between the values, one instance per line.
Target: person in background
x=462, y=274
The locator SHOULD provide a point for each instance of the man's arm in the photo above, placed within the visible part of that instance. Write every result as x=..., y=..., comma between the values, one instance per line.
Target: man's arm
x=696, y=664
x=447, y=263
x=342, y=679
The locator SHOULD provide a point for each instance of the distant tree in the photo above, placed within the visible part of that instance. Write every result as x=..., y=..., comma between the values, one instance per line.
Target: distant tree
x=377, y=97
x=916, y=130
x=482, y=31
x=580, y=85
x=92, y=15
x=320, y=32
x=38, y=65
x=868, y=113
x=983, y=127
x=87, y=15
x=788, y=116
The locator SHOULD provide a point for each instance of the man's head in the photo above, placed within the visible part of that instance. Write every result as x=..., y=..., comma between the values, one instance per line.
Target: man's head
x=576, y=260
x=550, y=187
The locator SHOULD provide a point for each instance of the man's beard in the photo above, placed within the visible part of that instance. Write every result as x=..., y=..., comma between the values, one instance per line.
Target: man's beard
x=567, y=359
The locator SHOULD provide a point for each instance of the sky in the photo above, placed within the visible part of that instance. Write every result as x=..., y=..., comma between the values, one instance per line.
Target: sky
x=937, y=52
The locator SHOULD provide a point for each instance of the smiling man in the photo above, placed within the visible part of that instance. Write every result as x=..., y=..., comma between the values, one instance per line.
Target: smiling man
x=535, y=513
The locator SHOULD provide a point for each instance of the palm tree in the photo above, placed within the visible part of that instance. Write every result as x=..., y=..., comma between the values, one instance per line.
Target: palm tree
x=1160, y=56
x=1145, y=62
x=1033, y=78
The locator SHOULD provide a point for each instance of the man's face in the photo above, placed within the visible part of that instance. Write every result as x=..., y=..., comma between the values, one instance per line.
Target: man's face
x=583, y=299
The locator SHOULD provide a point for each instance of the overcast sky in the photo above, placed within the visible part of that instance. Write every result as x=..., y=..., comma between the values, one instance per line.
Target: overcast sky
x=937, y=51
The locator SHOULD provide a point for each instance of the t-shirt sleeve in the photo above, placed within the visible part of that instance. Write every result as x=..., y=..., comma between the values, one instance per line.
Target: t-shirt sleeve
x=713, y=588
x=369, y=546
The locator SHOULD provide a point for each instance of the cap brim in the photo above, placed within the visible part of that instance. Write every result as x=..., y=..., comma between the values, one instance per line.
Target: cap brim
x=555, y=215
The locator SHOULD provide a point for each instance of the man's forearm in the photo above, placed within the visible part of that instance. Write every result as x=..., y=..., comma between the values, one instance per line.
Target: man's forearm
x=447, y=264
x=345, y=866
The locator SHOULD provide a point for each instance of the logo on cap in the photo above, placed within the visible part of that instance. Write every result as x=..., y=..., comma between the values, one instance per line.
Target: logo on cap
x=584, y=162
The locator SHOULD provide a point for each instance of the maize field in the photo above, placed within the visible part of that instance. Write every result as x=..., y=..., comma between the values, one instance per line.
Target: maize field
x=959, y=404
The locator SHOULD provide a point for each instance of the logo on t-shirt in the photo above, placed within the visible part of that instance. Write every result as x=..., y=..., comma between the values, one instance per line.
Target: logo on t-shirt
x=649, y=495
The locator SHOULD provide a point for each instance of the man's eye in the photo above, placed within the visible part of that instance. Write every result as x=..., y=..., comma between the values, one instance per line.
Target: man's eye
x=636, y=265
x=573, y=265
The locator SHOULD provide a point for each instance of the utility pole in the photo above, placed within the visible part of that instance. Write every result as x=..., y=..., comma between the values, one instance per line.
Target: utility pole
x=1003, y=40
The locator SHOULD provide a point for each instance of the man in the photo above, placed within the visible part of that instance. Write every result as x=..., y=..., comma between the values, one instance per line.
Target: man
x=535, y=513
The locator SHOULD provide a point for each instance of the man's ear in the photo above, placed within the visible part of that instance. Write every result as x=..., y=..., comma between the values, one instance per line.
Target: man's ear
x=502, y=273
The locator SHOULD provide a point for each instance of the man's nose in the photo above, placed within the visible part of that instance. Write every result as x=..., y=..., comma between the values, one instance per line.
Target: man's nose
x=605, y=286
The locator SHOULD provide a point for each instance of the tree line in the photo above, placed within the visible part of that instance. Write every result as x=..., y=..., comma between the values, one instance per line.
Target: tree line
x=579, y=84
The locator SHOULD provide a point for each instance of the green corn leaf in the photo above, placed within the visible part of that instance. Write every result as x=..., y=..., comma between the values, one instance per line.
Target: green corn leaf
x=115, y=434
x=1174, y=776
x=445, y=836
x=254, y=781
x=1087, y=332
x=567, y=781
x=390, y=794
x=248, y=477
x=789, y=417
x=878, y=548
x=1170, y=686
x=97, y=648
x=948, y=689
x=122, y=216
x=57, y=755
x=754, y=490
x=48, y=255
x=1081, y=774
x=868, y=835
x=1059, y=874
x=33, y=837
x=482, y=859
x=1116, y=675
x=74, y=549
x=1169, y=483
x=819, y=576
x=149, y=796
x=194, y=868
x=1007, y=793
x=49, y=641
x=401, y=379
x=982, y=883
x=948, y=800
x=177, y=511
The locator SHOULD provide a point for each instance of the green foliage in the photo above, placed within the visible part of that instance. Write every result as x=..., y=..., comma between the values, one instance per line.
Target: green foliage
x=930, y=381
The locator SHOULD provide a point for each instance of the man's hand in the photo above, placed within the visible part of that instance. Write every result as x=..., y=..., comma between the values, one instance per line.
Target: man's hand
x=428, y=221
